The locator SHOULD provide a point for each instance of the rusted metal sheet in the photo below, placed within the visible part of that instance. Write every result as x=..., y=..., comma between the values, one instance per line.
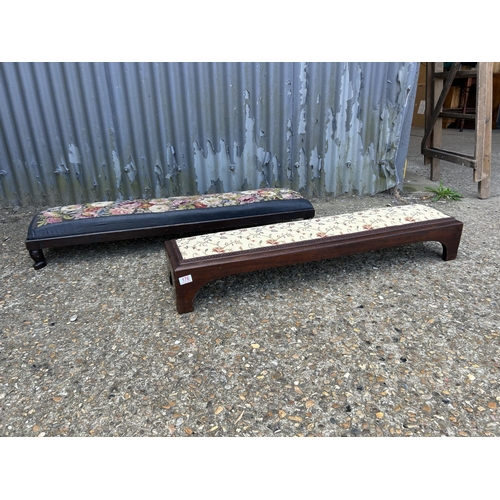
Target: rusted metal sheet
x=75, y=132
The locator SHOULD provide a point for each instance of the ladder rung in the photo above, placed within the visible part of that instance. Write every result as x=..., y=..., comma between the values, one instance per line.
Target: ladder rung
x=461, y=159
x=459, y=110
x=458, y=116
x=460, y=74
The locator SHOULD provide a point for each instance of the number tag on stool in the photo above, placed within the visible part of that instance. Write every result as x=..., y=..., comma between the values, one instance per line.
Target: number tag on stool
x=183, y=280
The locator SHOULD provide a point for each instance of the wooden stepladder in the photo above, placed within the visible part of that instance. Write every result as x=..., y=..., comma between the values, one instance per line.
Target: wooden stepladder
x=438, y=84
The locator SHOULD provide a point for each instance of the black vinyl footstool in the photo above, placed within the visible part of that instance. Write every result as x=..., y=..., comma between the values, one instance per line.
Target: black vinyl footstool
x=170, y=217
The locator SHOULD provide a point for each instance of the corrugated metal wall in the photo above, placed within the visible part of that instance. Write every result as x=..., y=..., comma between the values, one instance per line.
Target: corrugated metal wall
x=75, y=132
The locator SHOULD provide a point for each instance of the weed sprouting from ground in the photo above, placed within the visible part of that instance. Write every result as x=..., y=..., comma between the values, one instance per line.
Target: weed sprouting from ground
x=444, y=193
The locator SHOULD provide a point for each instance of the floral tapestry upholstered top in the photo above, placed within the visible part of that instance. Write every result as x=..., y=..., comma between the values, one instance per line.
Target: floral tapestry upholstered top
x=304, y=230
x=110, y=208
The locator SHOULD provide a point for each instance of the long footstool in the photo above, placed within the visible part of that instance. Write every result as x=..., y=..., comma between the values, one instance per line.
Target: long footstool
x=170, y=217
x=197, y=260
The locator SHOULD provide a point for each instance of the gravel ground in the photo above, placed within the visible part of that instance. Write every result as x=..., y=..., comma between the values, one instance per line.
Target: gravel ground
x=388, y=343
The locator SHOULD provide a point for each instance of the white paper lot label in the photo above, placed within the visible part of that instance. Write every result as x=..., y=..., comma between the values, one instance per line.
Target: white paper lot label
x=183, y=280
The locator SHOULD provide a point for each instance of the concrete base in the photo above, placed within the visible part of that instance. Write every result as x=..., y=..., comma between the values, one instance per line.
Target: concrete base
x=414, y=183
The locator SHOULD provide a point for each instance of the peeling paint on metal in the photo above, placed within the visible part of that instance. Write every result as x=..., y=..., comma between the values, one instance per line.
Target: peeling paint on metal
x=303, y=98
x=330, y=160
x=214, y=167
x=124, y=130
x=301, y=166
x=315, y=163
x=289, y=129
x=302, y=122
x=131, y=171
x=61, y=169
x=303, y=83
x=74, y=157
x=117, y=169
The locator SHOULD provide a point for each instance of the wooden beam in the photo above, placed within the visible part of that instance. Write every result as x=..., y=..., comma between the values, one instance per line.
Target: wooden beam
x=484, y=102
x=460, y=116
x=429, y=98
x=460, y=74
x=442, y=154
x=438, y=83
x=433, y=128
x=438, y=104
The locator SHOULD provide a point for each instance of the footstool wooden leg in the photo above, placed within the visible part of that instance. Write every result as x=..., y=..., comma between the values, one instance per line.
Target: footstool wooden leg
x=39, y=258
x=450, y=243
x=185, y=293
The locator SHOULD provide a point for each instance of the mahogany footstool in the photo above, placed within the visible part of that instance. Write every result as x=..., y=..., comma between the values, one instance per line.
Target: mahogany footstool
x=197, y=260
x=170, y=217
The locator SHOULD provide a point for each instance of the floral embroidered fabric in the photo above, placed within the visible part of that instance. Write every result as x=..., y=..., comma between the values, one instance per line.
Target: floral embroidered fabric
x=304, y=230
x=111, y=208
